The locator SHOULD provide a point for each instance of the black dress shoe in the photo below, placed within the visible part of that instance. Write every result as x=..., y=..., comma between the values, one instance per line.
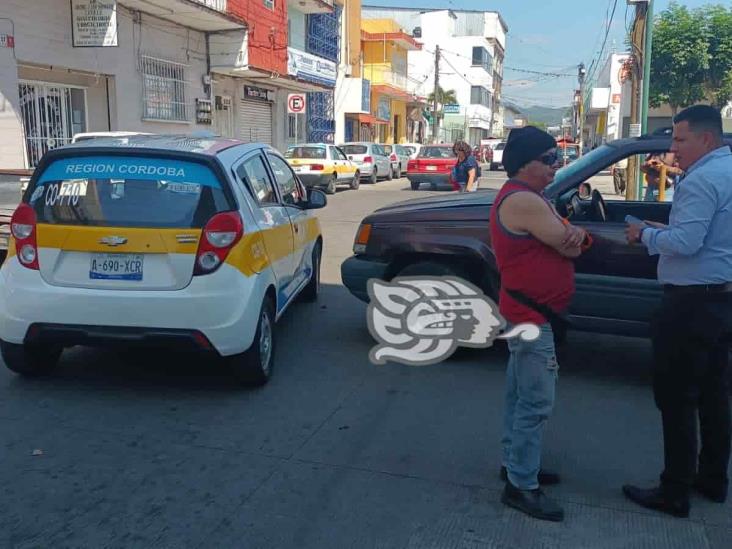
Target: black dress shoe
x=546, y=478
x=659, y=500
x=711, y=491
x=532, y=502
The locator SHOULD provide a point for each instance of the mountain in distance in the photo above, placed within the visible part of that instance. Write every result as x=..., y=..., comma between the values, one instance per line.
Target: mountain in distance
x=551, y=116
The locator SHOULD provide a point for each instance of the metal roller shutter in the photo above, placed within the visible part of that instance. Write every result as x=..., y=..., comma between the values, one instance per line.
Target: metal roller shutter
x=255, y=121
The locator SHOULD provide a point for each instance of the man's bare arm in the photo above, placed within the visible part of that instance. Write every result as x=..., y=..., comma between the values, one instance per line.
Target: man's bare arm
x=528, y=213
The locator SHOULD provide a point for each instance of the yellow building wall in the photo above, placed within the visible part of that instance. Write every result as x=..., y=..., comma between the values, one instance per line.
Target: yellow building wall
x=385, y=63
x=376, y=26
x=352, y=10
x=398, y=108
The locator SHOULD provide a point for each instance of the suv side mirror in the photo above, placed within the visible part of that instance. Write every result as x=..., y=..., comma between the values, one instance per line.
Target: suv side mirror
x=585, y=190
x=316, y=200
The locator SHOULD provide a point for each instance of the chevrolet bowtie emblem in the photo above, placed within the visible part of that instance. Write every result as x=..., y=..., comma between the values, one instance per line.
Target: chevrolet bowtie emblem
x=113, y=240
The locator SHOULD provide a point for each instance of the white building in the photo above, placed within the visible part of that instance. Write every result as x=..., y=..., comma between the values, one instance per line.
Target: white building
x=472, y=47
x=125, y=65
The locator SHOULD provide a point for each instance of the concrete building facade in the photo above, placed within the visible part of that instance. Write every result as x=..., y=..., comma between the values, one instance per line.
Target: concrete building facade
x=472, y=46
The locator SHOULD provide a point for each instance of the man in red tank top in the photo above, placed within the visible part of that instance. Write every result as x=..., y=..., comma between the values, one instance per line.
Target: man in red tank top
x=534, y=248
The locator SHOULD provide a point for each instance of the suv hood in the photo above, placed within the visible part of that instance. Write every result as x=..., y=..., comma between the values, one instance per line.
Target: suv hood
x=452, y=206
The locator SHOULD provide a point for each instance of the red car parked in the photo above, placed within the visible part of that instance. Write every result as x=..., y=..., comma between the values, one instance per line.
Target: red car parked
x=433, y=165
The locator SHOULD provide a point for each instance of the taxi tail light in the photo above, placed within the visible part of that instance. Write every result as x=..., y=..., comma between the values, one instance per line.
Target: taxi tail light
x=368, y=159
x=222, y=232
x=23, y=228
x=317, y=167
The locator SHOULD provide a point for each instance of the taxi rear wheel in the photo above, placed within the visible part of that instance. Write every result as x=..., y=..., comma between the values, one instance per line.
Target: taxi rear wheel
x=374, y=177
x=332, y=183
x=30, y=360
x=254, y=366
x=310, y=292
x=356, y=181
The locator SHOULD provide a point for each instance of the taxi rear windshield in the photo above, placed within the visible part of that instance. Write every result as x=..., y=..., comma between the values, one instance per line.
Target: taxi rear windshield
x=305, y=152
x=127, y=192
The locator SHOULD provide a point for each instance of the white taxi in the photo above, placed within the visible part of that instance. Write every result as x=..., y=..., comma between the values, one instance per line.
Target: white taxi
x=323, y=165
x=166, y=240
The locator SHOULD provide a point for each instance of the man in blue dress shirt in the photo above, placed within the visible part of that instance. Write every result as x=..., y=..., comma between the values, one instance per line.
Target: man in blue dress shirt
x=689, y=330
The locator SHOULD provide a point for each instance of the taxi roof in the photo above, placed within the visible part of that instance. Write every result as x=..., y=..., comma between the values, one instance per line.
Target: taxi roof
x=209, y=146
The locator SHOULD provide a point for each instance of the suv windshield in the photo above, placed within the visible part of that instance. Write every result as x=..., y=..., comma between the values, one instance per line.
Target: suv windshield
x=436, y=152
x=127, y=191
x=305, y=152
x=594, y=157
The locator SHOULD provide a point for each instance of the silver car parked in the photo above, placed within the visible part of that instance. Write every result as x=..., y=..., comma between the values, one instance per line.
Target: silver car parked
x=399, y=157
x=371, y=159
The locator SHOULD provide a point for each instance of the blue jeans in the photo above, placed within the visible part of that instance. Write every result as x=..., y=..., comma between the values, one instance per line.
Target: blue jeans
x=531, y=379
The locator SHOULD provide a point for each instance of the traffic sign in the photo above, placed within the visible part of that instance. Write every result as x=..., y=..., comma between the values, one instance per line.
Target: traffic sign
x=296, y=103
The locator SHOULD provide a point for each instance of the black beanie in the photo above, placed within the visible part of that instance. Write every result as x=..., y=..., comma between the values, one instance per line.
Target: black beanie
x=524, y=145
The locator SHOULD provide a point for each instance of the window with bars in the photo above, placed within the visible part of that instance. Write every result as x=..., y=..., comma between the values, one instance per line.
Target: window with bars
x=163, y=90
x=51, y=115
x=323, y=37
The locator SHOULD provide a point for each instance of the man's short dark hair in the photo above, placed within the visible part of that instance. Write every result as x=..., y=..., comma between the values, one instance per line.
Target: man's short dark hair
x=701, y=118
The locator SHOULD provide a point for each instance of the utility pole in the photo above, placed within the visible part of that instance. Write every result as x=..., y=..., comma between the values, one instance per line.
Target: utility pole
x=581, y=72
x=647, y=51
x=641, y=61
x=435, y=119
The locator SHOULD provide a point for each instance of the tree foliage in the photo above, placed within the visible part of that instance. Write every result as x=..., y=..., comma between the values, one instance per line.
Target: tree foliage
x=443, y=97
x=691, y=59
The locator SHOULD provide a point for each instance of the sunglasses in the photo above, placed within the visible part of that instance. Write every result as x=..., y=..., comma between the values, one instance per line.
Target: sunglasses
x=549, y=159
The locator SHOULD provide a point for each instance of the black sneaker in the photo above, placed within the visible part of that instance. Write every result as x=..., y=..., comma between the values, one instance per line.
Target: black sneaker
x=545, y=477
x=532, y=502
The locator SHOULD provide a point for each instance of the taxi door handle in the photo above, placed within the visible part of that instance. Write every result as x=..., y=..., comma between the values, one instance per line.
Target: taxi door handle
x=297, y=228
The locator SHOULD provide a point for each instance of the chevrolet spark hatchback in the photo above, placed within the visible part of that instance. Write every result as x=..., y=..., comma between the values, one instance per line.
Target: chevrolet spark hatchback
x=193, y=243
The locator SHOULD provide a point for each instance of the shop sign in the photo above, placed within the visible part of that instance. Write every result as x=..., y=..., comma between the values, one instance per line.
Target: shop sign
x=253, y=92
x=312, y=68
x=451, y=109
x=94, y=23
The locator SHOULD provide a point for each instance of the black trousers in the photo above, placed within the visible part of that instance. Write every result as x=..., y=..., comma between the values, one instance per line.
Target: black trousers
x=690, y=384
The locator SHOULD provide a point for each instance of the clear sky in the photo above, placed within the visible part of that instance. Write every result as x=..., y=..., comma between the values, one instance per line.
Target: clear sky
x=550, y=36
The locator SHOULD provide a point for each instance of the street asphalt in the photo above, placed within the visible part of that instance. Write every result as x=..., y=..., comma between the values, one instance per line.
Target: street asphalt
x=164, y=450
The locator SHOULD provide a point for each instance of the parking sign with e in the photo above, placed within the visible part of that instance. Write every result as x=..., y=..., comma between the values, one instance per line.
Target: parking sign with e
x=296, y=103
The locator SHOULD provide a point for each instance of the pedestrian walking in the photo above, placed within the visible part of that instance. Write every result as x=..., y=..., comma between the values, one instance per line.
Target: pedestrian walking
x=467, y=171
x=534, y=248
x=690, y=373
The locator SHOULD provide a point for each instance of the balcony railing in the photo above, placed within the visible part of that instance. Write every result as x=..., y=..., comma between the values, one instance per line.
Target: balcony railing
x=218, y=5
x=383, y=74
